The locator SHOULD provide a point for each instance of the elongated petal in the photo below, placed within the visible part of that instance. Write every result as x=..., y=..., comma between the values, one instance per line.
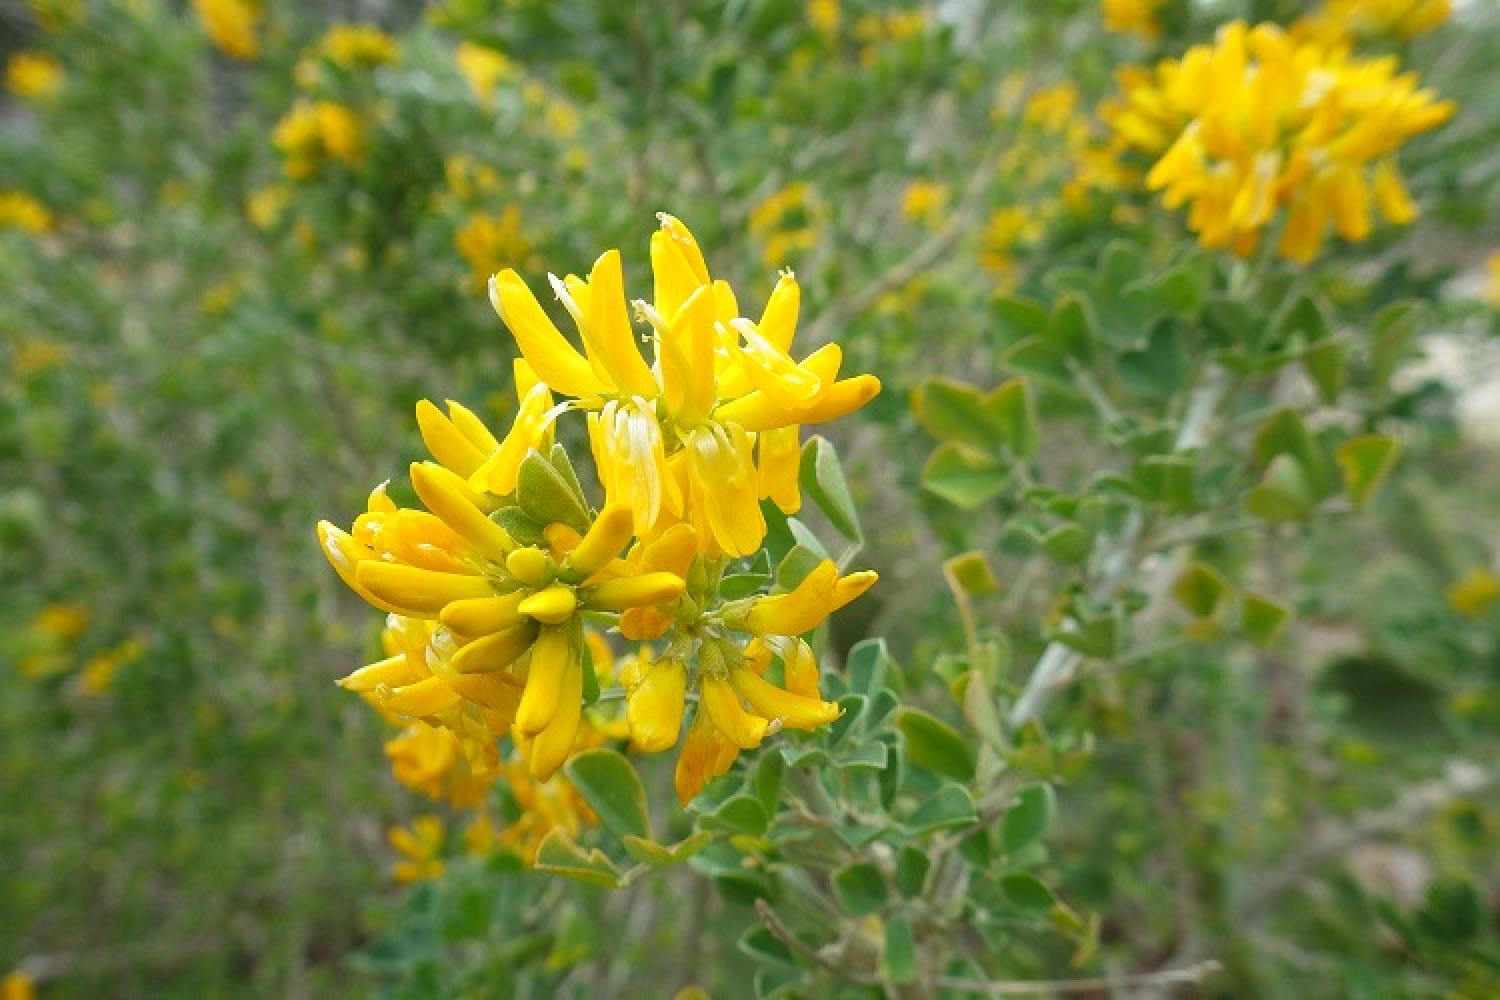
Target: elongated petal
x=552, y=745
x=532, y=427
x=495, y=651
x=426, y=697
x=706, y=754
x=801, y=610
x=393, y=671
x=729, y=716
x=549, y=660
x=445, y=495
x=655, y=705
x=482, y=615
x=345, y=554
x=793, y=710
x=606, y=538
x=472, y=427
x=446, y=442
x=551, y=606
x=645, y=590
x=554, y=359
x=420, y=593
x=778, y=323
x=852, y=586
x=610, y=332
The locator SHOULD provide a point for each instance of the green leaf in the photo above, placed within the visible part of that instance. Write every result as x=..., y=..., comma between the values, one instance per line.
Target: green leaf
x=860, y=889
x=912, y=866
x=1282, y=493
x=739, y=814
x=1202, y=590
x=1366, y=462
x=950, y=807
x=964, y=477
x=1023, y=317
x=766, y=948
x=1072, y=328
x=1167, y=479
x=898, y=959
x=545, y=495
x=1025, y=892
x=1284, y=433
x=559, y=855
x=1012, y=410
x=971, y=573
x=1094, y=636
x=793, y=569
x=1327, y=365
x=1068, y=543
x=524, y=529
x=612, y=789
x=953, y=412
x=933, y=744
x=1393, y=331
x=662, y=855
x=869, y=662
x=769, y=774
x=822, y=478
x=1027, y=818
x=1262, y=619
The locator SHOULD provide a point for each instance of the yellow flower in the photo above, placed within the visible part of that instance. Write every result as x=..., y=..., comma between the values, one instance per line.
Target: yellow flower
x=1356, y=20
x=1492, y=284
x=17, y=985
x=99, y=672
x=823, y=15
x=483, y=67
x=431, y=760
x=421, y=850
x=561, y=119
x=1259, y=123
x=21, y=211
x=490, y=242
x=1474, y=593
x=33, y=75
x=1133, y=16
x=358, y=46
x=924, y=201
x=312, y=134
x=545, y=805
x=231, y=26
x=1051, y=108
x=62, y=621
x=264, y=207
x=677, y=442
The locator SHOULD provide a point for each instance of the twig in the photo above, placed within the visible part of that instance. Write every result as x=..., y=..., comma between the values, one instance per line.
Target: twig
x=782, y=933
x=1167, y=977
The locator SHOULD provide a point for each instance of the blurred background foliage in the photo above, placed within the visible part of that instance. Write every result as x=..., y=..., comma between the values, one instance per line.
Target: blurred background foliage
x=257, y=246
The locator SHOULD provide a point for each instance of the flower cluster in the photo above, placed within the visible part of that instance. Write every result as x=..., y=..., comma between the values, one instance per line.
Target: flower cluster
x=232, y=26
x=1260, y=122
x=33, y=76
x=315, y=133
x=1340, y=20
x=495, y=584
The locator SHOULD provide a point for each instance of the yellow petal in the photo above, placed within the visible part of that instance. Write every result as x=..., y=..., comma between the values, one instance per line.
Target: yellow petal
x=495, y=651
x=794, y=711
x=420, y=593
x=645, y=590
x=483, y=615
x=655, y=705
x=778, y=323
x=469, y=424
x=551, y=606
x=850, y=587
x=446, y=442
x=345, y=554
x=801, y=610
x=780, y=454
x=609, y=325
x=685, y=354
x=528, y=432
x=706, y=754
x=729, y=716
x=550, y=655
x=445, y=495
x=606, y=537
x=550, y=749
x=393, y=671
x=554, y=359
x=426, y=697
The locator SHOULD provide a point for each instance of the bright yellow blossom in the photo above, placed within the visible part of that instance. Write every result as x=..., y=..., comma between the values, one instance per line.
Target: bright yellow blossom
x=823, y=15
x=1258, y=123
x=358, y=46
x=21, y=211
x=1052, y=108
x=483, y=67
x=312, y=134
x=231, y=25
x=490, y=242
x=685, y=440
x=1475, y=592
x=99, y=672
x=33, y=75
x=431, y=760
x=1492, y=282
x=17, y=985
x=924, y=202
x=62, y=621
x=1137, y=17
x=1357, y=20
x=421, y=850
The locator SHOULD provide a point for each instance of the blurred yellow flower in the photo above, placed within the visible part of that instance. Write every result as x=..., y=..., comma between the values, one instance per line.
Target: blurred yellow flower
x=21, y=211
x=491, y=242
x=231, y=26
x=1475, y=592
x=358, y=46
x=561, y=119
x=545, y=805
x=17, y=985
x=924, y=201
x=36, y=354
x=823, y=15
x=421, y=850
x=312, y=134
x=33, y=75
x=1258, y=122
x=483, y=67
x=431, y=760
x=99, y=672
x=1492, y=283
x=62, y=621
x=785, y=222
x=1007, y=228
x=1136, y=17
x=264, y=207
x=1356, y=20
x=1051, y=108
